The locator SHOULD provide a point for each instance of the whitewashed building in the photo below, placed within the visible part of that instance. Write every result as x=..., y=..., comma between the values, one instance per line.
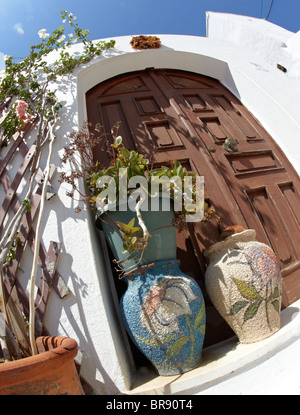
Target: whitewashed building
x=259, y=63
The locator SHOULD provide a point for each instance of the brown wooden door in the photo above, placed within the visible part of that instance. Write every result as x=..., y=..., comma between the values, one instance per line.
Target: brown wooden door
x=174, y=115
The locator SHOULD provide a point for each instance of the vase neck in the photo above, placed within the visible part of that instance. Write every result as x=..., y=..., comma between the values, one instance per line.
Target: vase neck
x=153, y=268
x=245, y=236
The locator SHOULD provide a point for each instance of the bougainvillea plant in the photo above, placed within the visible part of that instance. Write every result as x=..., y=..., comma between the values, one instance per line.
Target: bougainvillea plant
x=28, y=97
x=25, y=86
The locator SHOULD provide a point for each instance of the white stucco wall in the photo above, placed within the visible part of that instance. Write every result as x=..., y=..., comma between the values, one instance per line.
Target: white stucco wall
x=273, y=43
x=88, y=314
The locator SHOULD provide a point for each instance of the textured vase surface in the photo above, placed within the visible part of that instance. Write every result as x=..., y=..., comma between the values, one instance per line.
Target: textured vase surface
x=164, y=313
x=243, y=281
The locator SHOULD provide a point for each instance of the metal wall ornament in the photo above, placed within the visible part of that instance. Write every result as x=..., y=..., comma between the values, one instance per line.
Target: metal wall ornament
x=243, y=281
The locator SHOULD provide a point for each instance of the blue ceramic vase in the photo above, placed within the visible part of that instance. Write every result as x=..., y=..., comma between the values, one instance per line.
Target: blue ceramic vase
x=163, y=309
x=164, y=314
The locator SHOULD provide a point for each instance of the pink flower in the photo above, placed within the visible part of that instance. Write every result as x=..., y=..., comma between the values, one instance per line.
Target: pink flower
x=21, y=110
x=264, y=263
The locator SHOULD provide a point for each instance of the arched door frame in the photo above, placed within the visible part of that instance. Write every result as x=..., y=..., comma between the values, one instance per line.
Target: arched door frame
x=267, y=94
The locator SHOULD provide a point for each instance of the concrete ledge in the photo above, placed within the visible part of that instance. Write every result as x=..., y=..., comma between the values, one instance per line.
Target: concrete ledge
x=226, y=360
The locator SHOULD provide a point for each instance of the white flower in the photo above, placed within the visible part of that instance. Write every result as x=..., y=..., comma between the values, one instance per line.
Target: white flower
x=167, y=300
x=42, y=34
x=72, y=39
x=62, y=38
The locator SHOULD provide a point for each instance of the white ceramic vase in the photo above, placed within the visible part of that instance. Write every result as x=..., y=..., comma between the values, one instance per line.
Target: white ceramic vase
x=243, y=281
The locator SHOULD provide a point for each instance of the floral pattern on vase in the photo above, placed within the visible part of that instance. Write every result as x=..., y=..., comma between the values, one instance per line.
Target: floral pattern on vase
x=265, y=285
x=164, y=313
x=243, y=280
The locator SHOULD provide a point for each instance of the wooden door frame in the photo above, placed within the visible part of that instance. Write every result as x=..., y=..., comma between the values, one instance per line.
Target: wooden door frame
x=261, y=95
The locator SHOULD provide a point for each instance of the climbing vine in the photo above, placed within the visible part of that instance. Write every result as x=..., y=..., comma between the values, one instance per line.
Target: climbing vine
x=28, y=98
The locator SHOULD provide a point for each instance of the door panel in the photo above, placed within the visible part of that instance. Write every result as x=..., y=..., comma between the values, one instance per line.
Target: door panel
x=174, y=115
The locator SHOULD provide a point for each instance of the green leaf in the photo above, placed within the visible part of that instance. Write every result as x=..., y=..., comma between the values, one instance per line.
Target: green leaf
x=247, y=290
x=252, y=310
x=117, y=142
x=180, y=171
x=123, y=226
x=111, y=171
x=136, y=170
x=176, y=346
x=135, y=229
x=133, y=240
x=152, y=341
x=26, y=202
x=169, y=337
x=201, y=329
x=276, y=305
x=131, y=223
x=125, y=152
x=128, y=228
x=125, y=248
x=237, y=307
x=200, y=316
x=119, y=164
x=276, y=293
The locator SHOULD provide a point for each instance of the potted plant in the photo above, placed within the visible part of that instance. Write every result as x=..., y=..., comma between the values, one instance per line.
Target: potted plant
x=28, y=101
x=50, y=372
x=162, y=309
x=145, y=42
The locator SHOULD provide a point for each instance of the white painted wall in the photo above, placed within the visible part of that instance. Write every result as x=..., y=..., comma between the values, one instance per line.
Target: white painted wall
x=88, y=314
x=258, y=36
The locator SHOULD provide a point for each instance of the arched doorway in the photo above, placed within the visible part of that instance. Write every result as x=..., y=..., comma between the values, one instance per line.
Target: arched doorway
x=174, y=115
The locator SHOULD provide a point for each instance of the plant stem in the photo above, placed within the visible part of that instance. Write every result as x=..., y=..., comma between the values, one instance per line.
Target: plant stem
x=266, y=304
x=139, y=215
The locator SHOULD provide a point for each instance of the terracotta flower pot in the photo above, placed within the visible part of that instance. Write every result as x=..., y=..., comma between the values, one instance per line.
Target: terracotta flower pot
x=243, y=281
x=51, y=372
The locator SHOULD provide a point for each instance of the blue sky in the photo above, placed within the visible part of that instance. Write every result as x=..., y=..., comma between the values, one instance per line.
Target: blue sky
x=20, y=20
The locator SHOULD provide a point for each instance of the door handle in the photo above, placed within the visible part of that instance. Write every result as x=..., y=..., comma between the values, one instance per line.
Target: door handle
x=230, y=144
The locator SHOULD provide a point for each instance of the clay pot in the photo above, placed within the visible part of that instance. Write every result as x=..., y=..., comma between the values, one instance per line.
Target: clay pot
x=243, y=281
x=51, y=372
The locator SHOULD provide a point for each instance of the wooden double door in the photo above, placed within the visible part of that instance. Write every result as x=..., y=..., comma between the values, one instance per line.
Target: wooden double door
x=174, y=115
